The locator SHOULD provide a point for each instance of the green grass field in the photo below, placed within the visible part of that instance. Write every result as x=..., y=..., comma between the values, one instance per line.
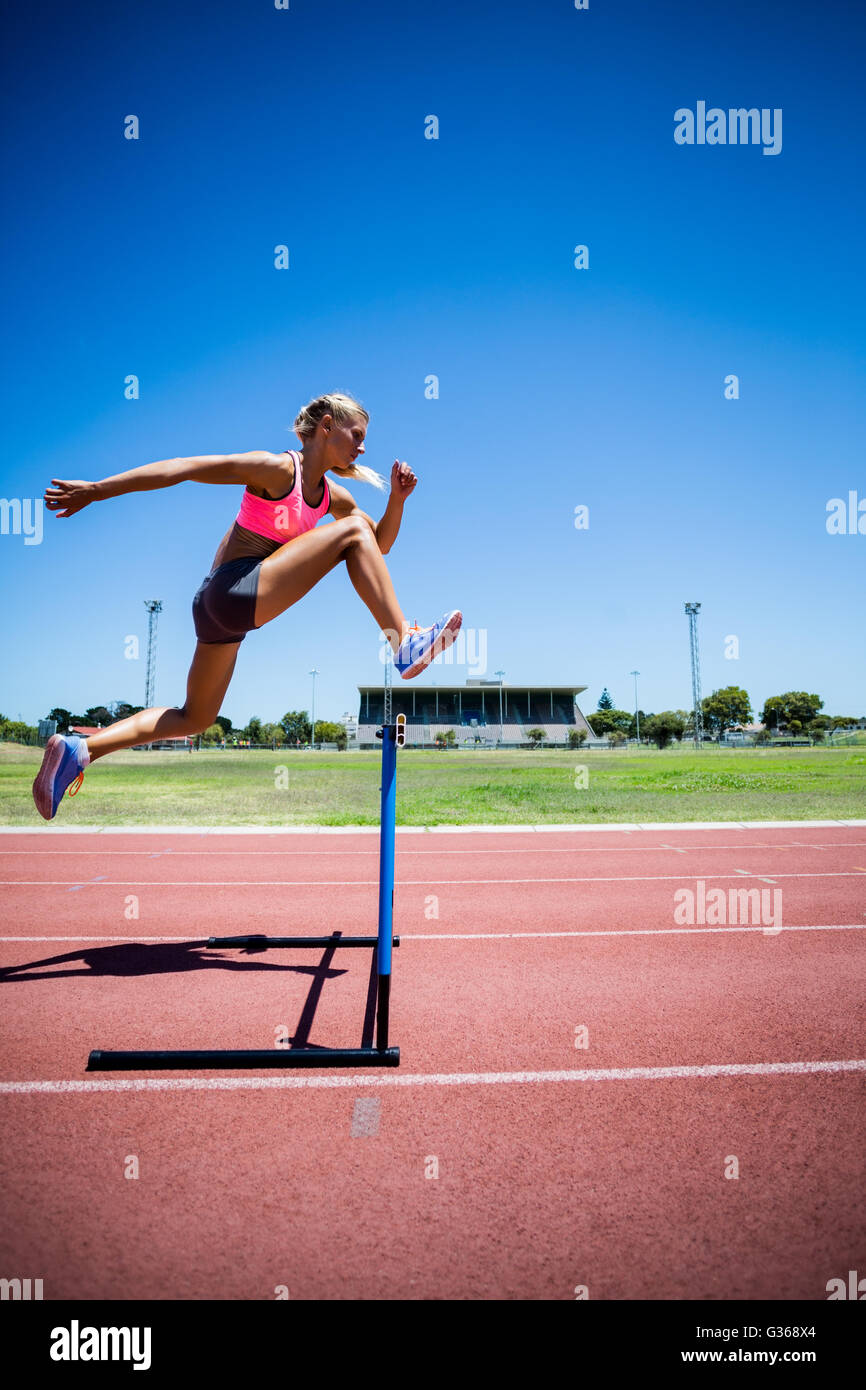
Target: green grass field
x=246, y=787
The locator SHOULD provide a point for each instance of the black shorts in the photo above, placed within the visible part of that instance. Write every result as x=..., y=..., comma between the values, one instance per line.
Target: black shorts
x=224, y=609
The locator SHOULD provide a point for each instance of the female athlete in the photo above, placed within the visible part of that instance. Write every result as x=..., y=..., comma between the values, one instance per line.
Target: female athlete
x=273, y=554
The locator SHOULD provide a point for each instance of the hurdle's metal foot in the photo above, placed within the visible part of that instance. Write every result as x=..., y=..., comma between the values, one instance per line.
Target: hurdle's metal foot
x=318, y=943
x=276, y=1057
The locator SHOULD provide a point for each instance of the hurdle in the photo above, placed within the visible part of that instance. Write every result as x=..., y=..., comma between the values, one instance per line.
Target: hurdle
x=379, y=1055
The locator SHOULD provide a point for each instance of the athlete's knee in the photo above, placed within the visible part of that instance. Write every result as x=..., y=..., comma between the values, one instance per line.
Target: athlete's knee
x=195, y=721
x=356, y=530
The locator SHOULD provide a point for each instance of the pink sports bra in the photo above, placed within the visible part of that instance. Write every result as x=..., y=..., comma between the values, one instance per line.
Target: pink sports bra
x=288, y=516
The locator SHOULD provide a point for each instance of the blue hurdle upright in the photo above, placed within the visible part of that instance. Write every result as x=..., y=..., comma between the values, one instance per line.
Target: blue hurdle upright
x=379, y=1054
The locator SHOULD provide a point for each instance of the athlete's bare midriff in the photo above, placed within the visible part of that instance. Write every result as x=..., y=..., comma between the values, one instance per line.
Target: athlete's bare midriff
x=238, y=542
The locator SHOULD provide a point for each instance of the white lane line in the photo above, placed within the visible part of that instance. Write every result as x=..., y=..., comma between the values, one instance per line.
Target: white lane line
x=400, y=883
x=481, y=935
x=627, y=931
x=582, y=827
x=490, y=1078
x=408, y=852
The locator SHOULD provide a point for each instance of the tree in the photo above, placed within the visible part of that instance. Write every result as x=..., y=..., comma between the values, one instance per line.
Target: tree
x=688, y=720
x=780, y=710
x=296, y=726
x=535, y=736
x=97, y=714
x=726, y=707
x=326, y=732
x=213, y=734
x=634, y=722
x=253, y=731
x=16, y=731
x=63, y=717
x=446, y=739
x=606, y=720
x=661, y=728
x=763, y=736
x=605, y=701
x=616, y=737
x=273, y=734
x=577, y=738
x=119, y=709
x=225, y=724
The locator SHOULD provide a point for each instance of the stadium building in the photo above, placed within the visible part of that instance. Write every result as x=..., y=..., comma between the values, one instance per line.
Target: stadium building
x=473, y=712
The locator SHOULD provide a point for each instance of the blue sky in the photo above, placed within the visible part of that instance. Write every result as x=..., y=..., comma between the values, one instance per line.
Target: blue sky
x=454, y=257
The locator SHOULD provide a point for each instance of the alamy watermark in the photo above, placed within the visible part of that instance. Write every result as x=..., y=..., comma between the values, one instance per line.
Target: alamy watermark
x=469, y=649
x=21, y=1290
x=736, y=126
x=846, y=518
x=76, y=1343
x=854, y=1289
x=713, y=907
x=22, y=516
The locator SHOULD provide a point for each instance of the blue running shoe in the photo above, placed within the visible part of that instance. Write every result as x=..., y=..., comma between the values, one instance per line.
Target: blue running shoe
x=60, y=767
x=421, y=645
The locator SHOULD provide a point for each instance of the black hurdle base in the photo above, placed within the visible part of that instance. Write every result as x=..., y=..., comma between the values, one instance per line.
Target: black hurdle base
x=319, y=942
x=273, y=1057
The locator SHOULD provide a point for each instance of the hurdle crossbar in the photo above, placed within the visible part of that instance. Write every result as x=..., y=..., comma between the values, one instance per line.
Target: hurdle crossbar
x=380, y=1055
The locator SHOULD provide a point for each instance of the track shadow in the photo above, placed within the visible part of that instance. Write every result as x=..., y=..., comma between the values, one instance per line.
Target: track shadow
x=133, y=959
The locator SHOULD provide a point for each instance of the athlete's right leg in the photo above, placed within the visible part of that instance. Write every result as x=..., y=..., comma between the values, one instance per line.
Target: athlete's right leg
x=290, y=572
x=207, y=682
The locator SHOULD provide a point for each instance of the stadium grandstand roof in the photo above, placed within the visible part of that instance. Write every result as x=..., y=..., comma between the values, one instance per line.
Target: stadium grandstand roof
x=476, y=685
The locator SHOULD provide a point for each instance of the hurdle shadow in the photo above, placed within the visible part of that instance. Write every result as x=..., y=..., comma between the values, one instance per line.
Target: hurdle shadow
x=138, y=959
x=300, y=1039
x=131, y=960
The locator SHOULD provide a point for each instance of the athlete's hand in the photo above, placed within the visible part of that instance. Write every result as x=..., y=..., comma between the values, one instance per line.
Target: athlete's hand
x=67, y=498
x=403, y=480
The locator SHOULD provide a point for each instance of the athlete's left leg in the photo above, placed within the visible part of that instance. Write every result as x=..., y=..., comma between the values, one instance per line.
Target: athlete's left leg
x=290, y=572
x=209, y=675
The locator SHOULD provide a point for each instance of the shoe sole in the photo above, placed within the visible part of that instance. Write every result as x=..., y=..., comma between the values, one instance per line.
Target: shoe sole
x=43, y=788
x=443, y=641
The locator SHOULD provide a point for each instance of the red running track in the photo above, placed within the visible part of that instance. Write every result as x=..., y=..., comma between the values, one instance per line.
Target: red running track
x=579, y=1069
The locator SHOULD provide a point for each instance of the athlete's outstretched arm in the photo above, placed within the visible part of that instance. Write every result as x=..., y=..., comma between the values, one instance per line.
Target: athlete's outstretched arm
x=256, y=467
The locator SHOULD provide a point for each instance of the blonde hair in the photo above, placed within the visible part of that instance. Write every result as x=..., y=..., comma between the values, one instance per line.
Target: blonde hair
x=344, y=409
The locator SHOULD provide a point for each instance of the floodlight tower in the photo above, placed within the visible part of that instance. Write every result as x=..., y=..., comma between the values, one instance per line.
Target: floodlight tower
x=636, y=713
x=500, y=674
x=692, y=610
x=154, y=608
